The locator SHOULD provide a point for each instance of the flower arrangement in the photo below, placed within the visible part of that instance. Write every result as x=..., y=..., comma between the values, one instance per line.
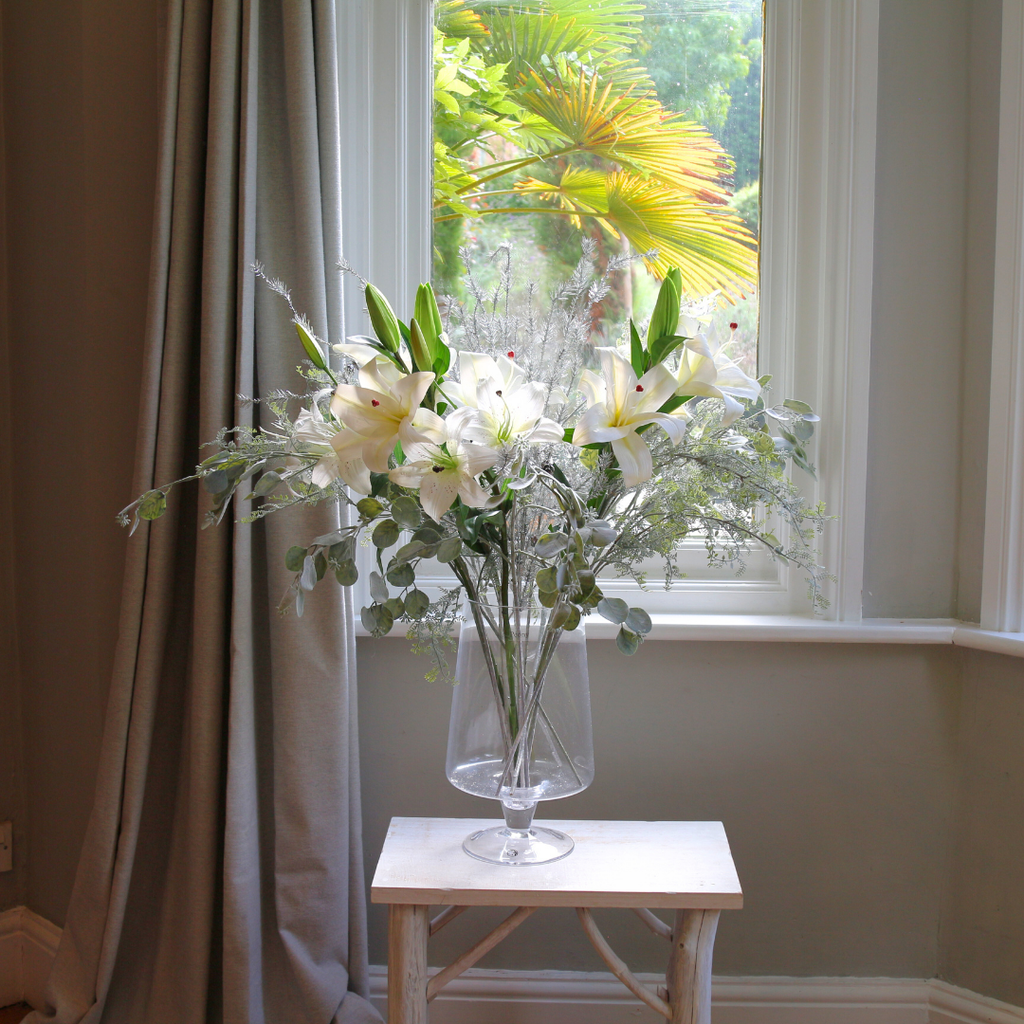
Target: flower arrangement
x=503, y=444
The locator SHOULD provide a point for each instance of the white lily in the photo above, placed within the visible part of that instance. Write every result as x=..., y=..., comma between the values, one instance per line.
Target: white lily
x=443, y=473
x=359, y=351
x=618, y=403
x=706, y=370
x=385, y=408
x=480, y=375
x=340, y=451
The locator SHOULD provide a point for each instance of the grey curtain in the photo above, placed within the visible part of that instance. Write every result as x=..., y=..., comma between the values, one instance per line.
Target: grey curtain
x=221, y=877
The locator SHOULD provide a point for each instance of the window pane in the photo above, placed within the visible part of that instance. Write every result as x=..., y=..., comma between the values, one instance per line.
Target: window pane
x=636, y=124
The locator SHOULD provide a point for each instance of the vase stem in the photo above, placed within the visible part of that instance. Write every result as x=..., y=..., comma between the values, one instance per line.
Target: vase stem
x=518, y=819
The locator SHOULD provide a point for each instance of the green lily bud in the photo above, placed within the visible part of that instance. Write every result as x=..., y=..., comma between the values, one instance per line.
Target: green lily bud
x=316, y=356
x=428, y=315
x=382, y=316
x=665, y=317
x=421, y=357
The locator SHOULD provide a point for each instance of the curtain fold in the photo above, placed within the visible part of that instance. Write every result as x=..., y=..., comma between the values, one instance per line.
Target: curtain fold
x=221, y=877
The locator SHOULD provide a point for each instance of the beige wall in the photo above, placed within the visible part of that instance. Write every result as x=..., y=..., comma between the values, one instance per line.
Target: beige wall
x=832, y=768
x=983, y=921
x=835, y=768
x=80, y=81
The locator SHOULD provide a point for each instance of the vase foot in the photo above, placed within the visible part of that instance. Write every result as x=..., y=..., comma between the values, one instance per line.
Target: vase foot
x=515, y=847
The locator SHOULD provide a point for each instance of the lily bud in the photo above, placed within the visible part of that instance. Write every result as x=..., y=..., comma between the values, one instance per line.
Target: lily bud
x=382, y=316
x=421, y=357
x=313, y=351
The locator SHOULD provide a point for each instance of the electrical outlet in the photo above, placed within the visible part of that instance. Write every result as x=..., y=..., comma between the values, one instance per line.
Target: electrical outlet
x=6, y=847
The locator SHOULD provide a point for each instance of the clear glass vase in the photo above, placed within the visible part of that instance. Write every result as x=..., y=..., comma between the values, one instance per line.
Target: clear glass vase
x=520, y=728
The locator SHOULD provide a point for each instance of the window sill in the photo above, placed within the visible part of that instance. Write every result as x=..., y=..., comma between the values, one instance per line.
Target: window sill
x=804, y=629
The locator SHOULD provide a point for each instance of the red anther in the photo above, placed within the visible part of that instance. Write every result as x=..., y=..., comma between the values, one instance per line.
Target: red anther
x=510, y=354
x=498, y=393
x=374, y=402
x=732, y=327
x=437, y=469
x=639, y=387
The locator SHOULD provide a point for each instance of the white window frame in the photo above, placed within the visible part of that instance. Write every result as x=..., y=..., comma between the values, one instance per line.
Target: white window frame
x=820, y=111
x=1002, y=599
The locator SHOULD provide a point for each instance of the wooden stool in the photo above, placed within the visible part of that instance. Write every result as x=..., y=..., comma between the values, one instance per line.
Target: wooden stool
x=683, y=866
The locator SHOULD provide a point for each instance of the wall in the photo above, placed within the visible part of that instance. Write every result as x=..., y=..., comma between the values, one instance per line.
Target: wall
x=831, y=767
x=834, y=768
x=12, y=782
x=918, y=315
x=80, y=81
x=983, y=922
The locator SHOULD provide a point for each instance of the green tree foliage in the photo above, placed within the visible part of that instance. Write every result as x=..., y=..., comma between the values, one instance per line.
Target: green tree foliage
x=542, y=106
x=741, y=134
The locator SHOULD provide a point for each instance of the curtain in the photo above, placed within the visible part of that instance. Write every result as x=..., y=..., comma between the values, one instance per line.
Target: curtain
x=221, y=877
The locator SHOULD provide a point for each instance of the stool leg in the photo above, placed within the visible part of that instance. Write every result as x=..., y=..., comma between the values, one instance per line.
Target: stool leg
x=689, y=969
x=408, y=929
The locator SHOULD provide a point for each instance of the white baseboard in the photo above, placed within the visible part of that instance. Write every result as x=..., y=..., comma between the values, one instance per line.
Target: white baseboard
x=559, y=997
x=28, y=944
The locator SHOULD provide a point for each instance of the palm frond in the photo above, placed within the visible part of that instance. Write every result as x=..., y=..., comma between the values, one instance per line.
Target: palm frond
x=709, y=243
x=632, y=130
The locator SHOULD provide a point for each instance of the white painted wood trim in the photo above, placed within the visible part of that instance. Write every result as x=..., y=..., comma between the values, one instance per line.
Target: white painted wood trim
x=386, y=71
x=772, y=629
x=563, y=997
x=1002, y=600
x=28, y=944
x=569, y=997
x=821, y=85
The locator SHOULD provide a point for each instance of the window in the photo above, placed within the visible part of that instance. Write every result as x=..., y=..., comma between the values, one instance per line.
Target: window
x=816, y=242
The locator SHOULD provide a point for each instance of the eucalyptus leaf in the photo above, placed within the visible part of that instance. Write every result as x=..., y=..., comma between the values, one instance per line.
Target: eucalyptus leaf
x=325, y=540
x=449, y=549
x=396, y=606
x=386, y=533
x=416, y=604
x=378, y=588
x=346, y=573
x=520, y=483
x=216, y=481
x=547, y=579
x=402, y=575
x=267, y=483
x=573, y=620
x=602, y=536
x=428, y=533
x=294, y=558
x=385, y=620
x=550, y=544
x=627, y=641
x=559, y=616
x=308, y=578
x=614, y=609
x=369, y=508
x=154, y=504
x=343, y=551
x=410, y=550
x=547, y=597
x=368, y=617
x=587, y=580
x=801, y=407
x=406, y=512
x=321, y=565
x=639, y=621
x=300, y=602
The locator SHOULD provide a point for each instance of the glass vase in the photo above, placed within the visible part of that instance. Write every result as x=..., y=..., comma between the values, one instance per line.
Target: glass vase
x=520, y=728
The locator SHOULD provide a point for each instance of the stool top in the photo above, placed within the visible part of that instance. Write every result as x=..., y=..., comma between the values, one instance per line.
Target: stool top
x=671, y=864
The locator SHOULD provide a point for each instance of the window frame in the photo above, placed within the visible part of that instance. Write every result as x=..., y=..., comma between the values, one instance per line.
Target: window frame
x=818, y=179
